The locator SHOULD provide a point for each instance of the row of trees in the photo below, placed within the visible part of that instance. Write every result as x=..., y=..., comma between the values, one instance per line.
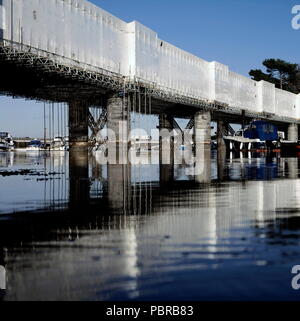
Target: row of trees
x=283, y=74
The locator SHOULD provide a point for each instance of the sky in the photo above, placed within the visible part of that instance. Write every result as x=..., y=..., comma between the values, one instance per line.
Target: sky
x=238, y=33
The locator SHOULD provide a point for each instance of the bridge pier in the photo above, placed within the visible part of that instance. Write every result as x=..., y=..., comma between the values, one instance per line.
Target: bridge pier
x=166, y=148
x=202, y=138
x=78, y=126
x=203, y=165
x=222, y=130
x=119, y=187
x=221, y=163
x=118, y=125
x=293, y=132
x=202, y=128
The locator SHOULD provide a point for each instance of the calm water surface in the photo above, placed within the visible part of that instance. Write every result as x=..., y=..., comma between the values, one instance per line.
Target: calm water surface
x=76, y=230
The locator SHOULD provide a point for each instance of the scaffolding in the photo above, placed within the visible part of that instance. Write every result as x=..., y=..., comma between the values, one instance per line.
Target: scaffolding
x=37, y=74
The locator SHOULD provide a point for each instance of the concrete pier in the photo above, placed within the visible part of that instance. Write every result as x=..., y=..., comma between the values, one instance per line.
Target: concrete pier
x=293, y=132
x=203, y=164
x=166, y=139
x=222, y=129
x=119, y=188
x=202, y=134
x=118, y=125
x=166, y=148
x=292, y=167
x=202, y=129
x=221, y=163
x=78, y=125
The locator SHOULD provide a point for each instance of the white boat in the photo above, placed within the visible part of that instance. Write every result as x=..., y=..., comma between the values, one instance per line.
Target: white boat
x=59, y=144
x=6, y=142
x=35, y=146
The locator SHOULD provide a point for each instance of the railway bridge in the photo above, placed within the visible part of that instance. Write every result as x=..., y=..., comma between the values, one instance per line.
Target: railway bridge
x=73, y=52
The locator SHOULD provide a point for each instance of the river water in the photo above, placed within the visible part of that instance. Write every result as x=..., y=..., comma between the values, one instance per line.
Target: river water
x=84, y=231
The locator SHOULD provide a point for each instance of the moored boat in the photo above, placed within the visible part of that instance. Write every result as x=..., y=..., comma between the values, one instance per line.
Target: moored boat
x=6, y=142
x=35, y=145
x=59, y=144
x=260, y=136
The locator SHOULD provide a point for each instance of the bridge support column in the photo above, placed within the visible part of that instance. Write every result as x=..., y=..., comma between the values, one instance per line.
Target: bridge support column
x=202, y=128
x=118, y=125
x=78, y=125
x=292, y=168
x=222, y=130
x=202, y=134
x=166, y=148
x=293, y=132
x=119, y=188
x=221, y=162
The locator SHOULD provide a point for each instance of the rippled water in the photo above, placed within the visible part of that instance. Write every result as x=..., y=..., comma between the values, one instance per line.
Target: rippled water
x=83, y=231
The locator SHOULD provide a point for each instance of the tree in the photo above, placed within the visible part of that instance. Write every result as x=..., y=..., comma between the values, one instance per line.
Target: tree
x=258, y=75
x=284, y=75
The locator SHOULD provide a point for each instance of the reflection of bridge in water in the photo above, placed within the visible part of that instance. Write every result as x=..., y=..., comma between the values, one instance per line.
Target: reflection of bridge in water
x=119, y=207
x=72, y=181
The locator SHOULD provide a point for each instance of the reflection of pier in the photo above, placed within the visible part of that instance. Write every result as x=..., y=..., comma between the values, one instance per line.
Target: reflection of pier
x=128, y=192
x=79, y=179
x=112, y=234
x=119, y=187
x=112, y=231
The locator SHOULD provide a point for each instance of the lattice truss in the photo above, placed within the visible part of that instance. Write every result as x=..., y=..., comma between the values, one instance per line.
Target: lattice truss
x=186, y=133
x=97, y=123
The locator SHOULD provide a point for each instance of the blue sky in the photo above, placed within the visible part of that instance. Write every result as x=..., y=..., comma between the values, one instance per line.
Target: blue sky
x=239, y=33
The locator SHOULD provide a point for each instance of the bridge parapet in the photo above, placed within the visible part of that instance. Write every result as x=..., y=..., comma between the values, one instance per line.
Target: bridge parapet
x=266, y=97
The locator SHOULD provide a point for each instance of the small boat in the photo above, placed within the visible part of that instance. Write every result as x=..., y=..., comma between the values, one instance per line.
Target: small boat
x=257, y=135
x=261, y=136
x=6, y=142
x=35, y=145
x=3, y=146
x=182, y=147
x=59, y=144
